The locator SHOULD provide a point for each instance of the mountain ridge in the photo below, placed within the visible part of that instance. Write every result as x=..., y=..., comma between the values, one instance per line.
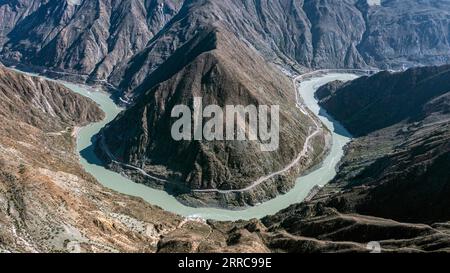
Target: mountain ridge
x=312, y=34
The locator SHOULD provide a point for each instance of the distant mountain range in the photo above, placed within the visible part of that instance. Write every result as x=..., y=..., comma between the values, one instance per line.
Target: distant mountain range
x=125, y=41
x=84, y=37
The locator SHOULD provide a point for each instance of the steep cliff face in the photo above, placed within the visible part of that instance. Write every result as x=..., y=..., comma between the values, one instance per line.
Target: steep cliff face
x=207, y=67
x=398, y=169
x=84, y=37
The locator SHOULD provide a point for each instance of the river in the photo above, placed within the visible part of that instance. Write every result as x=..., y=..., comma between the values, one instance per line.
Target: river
x=114, y=181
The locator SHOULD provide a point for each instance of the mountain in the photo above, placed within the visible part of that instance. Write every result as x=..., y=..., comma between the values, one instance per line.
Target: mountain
x=12, y=12
x=46, y=105
x=206, y=67
x=307, y=34
x=386, y=98
x=282, y=37
x=311, y=34
x=402, y=154
x=123, y=42
x=78, y=36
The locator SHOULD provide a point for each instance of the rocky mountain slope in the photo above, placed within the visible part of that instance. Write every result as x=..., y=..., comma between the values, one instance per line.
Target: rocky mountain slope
x=281, y=37
x=387, y=98
x=206, y=67
x=398, y=168
x=43, y=104
x=125, y=41
x=308, y=34
x=48, y=203
x=79, y=36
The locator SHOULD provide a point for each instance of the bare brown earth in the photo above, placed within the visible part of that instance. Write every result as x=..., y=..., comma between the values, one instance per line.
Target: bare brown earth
x=47, y=202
